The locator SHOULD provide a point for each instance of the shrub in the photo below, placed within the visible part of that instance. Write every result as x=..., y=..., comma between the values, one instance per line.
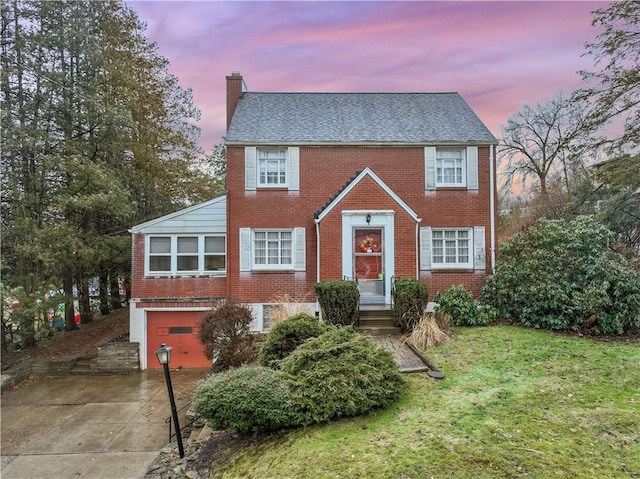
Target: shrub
x=341, y=373
x=562, y=275
x=458, y=303
x=248, y=399
x=286, y=336
x=224, y=333
x=410, y=297
x=338, y=301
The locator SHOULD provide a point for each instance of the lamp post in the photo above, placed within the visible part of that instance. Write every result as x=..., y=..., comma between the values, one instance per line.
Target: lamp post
x=164, y=356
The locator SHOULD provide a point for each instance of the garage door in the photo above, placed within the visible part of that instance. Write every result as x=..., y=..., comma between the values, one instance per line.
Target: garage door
x=178, y=330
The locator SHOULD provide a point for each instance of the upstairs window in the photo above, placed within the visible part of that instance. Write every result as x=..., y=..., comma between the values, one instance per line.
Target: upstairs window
x=450, y=167
x=175, y=255
x=272, y=168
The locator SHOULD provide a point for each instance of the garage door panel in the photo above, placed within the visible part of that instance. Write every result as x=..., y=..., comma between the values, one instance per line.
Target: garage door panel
x=176, y=329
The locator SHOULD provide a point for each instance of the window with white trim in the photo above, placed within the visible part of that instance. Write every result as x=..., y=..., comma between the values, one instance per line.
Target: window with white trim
x=272, y=248
x=272, y=168
x=186, y=255
x=451, y=167
x=451, y=248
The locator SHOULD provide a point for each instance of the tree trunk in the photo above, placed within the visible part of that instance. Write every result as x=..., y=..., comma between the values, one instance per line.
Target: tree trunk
x=84, y=301
x=115, y=292
x=104, y=292
x=67, y=284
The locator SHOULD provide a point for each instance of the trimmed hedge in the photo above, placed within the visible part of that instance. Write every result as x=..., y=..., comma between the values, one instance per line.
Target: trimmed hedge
x=338, y=301
x=286, y=336
x=341, y=373
x=249, y=399
x=410, y=298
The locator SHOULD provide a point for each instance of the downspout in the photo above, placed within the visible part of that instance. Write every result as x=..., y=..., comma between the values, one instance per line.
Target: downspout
x=317, y=223
x=418, y=220
x=492, y=200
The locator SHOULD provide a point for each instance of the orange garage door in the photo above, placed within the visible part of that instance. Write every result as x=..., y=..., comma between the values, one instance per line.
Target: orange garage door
x=176, y=329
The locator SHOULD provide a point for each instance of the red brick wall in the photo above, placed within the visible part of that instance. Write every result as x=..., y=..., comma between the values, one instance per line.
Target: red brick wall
x=324, y=171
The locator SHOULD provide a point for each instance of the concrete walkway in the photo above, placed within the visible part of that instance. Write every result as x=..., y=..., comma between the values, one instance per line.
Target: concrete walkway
x=408, y=361
x=106, y=427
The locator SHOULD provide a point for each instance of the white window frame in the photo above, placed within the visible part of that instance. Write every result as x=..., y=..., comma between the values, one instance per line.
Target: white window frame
x=263, y=158
x=255, y=265
x=440, y=161
x=173, y=254
x=439, y=244
x=469, y=168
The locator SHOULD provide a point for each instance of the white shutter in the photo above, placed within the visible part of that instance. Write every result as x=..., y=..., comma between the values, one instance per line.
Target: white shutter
x=429, y=168
x=294, y=168
x=250, y=159
x=425, y=248
x=479, y=255
x=300, y=249
x=472, y=167
x=245, y=249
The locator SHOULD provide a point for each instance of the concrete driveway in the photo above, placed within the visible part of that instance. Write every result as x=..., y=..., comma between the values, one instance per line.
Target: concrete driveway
x=103, y=427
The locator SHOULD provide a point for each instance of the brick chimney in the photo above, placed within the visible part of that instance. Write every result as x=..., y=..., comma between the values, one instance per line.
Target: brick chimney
x=235, y=89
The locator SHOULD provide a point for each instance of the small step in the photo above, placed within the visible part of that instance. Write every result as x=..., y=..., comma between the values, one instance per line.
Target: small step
x=377, y=321
x=379, y=330
x=83, y=365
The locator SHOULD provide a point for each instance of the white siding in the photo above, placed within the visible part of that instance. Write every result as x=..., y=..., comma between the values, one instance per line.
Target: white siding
x=204, y=218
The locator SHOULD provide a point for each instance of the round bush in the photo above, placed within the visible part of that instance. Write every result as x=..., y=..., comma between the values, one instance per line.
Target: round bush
x=341, y=373
x=563, y=275
x=459, y=304
x=286, y=336
x=248, y=399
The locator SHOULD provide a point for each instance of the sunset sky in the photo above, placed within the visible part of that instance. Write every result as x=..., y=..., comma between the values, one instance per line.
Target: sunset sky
x=497, y=55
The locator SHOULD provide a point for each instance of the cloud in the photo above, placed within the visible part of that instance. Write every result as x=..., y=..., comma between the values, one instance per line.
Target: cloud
x=498, y=55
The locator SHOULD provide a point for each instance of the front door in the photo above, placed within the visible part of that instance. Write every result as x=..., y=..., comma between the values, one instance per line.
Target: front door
x=368, y=264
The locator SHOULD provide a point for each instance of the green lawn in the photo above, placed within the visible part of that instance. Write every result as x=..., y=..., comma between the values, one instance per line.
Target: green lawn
x=515, y=403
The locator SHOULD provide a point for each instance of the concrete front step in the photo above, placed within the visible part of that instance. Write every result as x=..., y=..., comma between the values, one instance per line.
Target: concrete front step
x=379, y=330
x=377, y=321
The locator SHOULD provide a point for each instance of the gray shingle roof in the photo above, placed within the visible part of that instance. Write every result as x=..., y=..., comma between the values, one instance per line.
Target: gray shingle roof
x=297, y=118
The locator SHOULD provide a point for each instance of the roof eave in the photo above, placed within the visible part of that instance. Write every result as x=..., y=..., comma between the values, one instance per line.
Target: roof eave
x=363, y=143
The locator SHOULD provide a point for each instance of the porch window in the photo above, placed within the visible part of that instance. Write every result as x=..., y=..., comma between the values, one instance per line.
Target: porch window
x=160, y=254
x=186, y=255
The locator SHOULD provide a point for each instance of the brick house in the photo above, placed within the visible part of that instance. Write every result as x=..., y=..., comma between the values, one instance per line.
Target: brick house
x=371, y=186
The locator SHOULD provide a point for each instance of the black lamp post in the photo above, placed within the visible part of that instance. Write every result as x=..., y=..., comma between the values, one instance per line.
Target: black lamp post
x=164, y=356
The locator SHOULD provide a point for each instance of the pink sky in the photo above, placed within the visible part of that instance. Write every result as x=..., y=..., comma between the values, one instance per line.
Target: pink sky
x=497, y=55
